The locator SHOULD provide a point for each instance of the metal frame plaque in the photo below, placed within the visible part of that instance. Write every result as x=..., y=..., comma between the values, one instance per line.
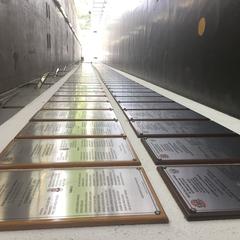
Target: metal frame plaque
x=179, y=129
x=216, y=150
x=142, y=99
x=77, y=106
x=56, y=153
x=74, y=115
x=205, y=192
x=77, y=197
x=153, y=115
x=71, y=129
x=77, y=99
x=152, y=106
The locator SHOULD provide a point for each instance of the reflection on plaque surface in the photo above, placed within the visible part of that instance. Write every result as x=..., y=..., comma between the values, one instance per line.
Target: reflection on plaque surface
x=193, y=150
x=78, y=115
x=179, y=128
x=77, y=99
x=76, y=93
x=77, y=197
x=71, y=129
x=78, y=105
x=152, y=106
x=205, y=192
x=163, y=115
x=42, y=153
x=143, y=99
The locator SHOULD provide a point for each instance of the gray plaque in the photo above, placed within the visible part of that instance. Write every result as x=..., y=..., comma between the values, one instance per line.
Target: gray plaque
x=76, y=93
x=74, y=115
x=152, y=106
x=142, y=99
x=163, y=115
x=205, y=192
x=135, y=94
x=194, y=150
x=77, y=105
x=76, y=197
x=77, y=99
x=179, y=128
x=71, y=129
x=43, y=153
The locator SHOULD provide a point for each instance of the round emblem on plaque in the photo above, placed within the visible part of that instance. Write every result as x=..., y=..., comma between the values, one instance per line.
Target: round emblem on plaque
x=198, y=203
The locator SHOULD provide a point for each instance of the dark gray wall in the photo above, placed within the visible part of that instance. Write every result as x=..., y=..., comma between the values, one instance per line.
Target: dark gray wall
x=24, y=54
x=159, y=41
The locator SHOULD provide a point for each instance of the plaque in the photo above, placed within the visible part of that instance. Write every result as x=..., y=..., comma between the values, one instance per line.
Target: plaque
x=179, y=129
x=71, y=129
x=205, y=192
x=50, y=198
x=194, y=150
x=135, y=94
x=77, y=99
x=78, y=105
x=74, y=115
x=75, y=93
x=56, y=153
x=142, y=99
x=152, y=106
x=153, y=115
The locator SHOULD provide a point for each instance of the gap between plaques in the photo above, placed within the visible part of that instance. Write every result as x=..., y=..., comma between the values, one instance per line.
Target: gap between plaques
x=169, y=204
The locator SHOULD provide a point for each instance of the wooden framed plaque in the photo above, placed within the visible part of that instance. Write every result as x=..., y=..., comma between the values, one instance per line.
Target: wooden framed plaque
x=142, y=99
x=179, y=129
x=74, y=115
x=77, y=99
x=210, y=150
x=205, y=192
x=56, y=153
x=153, y=115
x=84, y=94
x=71, y=129
x=77, y=106
x=152, y=106
x=54, y=198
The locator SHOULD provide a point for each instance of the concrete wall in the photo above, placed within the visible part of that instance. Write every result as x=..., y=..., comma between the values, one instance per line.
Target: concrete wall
x=24, y=51
x=164, y=42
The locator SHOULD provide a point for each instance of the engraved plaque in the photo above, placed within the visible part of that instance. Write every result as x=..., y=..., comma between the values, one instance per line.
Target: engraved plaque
x=163, y=115
x=77, y=197
x=135, y=94
x=74, y=115
x=151, y=106
x=71, y=129
x=142, y=99
x=77, y=105
x=205, y=192
x=75, y=93
x=179, y=128
x=193, y=150
x=49, y=153
x=77, y=99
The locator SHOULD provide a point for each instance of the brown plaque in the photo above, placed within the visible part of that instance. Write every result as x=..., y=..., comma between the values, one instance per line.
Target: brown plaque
x=179, y=129
x=74, y=115
x=153, y=115
x=56, y=153
x=77, y=197
x=71, y=129
x=77, y=99
x=77, y=106
x=205, y=192
x=208, y=150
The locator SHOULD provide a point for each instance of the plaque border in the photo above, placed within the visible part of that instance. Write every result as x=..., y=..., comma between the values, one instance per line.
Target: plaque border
x=91, y=221
x=189, y=214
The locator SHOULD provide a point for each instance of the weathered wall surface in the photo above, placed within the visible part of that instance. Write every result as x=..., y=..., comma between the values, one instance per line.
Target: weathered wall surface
x=34, y=39
x=164, y=42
